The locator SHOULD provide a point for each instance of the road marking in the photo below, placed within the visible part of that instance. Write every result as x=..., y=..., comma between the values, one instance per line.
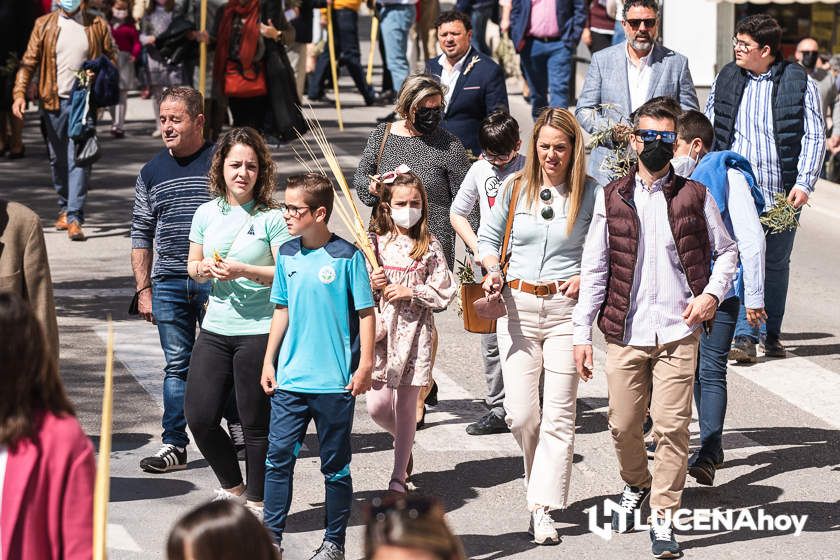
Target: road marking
x=119, y=539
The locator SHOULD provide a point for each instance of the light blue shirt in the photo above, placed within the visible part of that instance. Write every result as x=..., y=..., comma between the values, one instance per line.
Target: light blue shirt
x=755, y=137
x=324, y=289
x=541, y=251
x=238, y=307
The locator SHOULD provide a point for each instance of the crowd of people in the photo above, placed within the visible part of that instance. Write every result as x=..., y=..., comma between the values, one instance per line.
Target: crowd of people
x=668, y=257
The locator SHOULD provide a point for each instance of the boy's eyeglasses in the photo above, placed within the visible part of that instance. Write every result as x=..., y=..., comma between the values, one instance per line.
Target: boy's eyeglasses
x=294, y=211
x=742, y=46
x=636, y=23
x=499, y=159
x=547, y=211
x=647, y=135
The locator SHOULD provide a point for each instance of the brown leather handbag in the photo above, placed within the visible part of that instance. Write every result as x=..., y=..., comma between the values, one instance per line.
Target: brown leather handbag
x=472, y=292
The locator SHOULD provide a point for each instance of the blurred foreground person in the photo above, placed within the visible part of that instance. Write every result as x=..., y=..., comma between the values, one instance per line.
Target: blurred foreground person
x=47, y=466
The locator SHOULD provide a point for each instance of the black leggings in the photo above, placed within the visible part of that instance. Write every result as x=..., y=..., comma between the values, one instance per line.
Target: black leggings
x=218, y=363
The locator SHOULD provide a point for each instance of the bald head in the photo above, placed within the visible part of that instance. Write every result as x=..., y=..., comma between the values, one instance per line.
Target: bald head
x=807, y=52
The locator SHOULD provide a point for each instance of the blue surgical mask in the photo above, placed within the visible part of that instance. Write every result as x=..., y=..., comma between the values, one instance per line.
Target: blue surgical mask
x=69, y=6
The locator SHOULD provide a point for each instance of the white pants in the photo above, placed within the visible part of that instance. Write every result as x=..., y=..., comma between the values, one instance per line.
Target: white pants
x=535, y=344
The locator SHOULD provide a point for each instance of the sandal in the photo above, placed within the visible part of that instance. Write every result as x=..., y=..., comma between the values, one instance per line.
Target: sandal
x=397, y=493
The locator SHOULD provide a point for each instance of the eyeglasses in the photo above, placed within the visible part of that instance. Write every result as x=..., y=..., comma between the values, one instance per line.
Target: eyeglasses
x=636, y=23
x=547, y=211
x=498, y=159
x=742, y=46
x=647, y=135
x=294, y=211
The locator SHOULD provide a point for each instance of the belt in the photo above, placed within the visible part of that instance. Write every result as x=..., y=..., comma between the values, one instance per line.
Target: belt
x=539, y=290
x=545, y=39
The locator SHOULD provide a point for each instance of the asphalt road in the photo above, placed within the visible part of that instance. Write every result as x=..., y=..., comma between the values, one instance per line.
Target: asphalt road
x=782, y=439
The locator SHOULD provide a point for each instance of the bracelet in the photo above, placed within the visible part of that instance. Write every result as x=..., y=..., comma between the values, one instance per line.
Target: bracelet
x=137, y=293
x=494, y=268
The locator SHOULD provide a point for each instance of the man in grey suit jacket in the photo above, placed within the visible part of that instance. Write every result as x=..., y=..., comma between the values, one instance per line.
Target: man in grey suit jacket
x=622, y=77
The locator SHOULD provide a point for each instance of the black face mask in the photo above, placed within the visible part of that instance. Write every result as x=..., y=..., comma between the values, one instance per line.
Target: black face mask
x=809, y=59
x=656, y=155
x=426, y=119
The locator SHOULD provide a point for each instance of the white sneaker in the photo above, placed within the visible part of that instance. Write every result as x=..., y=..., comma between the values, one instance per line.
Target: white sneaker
x=256, y=510
x=542, y=527
x=222, y=494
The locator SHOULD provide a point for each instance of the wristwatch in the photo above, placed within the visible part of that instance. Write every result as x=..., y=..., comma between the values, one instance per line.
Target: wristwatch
x=494, y=268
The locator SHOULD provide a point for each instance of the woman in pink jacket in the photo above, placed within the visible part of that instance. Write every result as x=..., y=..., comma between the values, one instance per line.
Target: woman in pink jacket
x=47, y=466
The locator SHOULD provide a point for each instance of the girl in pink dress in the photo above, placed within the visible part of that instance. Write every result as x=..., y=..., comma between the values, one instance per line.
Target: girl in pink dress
x=414, y=282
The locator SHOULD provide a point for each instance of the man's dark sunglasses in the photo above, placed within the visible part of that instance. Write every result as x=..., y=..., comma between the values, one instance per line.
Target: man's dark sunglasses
x=635, y=23
x=647, y=135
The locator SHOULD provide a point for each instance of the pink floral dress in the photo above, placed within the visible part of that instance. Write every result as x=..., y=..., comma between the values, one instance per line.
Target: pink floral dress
x=404, y=355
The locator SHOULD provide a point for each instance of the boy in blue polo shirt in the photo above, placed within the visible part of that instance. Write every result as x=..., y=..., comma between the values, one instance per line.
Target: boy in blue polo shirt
x=319, y=356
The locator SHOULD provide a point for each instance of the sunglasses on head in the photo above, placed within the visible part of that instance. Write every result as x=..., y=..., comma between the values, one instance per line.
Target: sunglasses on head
x=647, y=135
x=636, y=23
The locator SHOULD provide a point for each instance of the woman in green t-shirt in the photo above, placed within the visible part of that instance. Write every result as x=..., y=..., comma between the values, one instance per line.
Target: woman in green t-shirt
x=234, y=240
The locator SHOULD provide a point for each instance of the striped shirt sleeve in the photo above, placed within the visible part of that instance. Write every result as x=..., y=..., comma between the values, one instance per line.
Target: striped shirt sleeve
x=143, y=219
x=813, y=141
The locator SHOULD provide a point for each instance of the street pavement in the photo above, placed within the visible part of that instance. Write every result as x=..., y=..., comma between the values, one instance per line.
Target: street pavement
x=782, y=440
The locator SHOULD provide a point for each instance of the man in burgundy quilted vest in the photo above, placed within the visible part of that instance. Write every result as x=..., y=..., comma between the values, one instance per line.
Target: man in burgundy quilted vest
x=645, y=274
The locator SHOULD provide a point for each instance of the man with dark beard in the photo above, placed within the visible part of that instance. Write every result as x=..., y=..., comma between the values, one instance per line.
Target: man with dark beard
x=623, y=77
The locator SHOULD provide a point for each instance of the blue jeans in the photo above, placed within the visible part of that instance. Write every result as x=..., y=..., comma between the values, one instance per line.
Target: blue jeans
x=479, y=17
x=290, y=416
x=710, y=381
x=548, y=70
x=178, y=307
x=69, y=180
x=395, y=21
x=776, y=274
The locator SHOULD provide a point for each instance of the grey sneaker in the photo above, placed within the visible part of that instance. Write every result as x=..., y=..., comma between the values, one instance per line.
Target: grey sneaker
x=743, y=350
x=328, y=551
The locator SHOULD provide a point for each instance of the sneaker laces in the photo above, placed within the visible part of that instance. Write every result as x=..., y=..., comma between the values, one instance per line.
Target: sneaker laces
x=662, y=531
x=629, y=499
x=166, y=449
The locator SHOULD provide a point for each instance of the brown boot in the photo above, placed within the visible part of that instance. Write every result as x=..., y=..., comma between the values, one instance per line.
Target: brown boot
x=61, y=221
x=74, y=231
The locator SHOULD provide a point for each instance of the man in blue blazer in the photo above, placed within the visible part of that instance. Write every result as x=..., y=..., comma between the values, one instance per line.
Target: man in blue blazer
x=623, y=77
x=546, y=34
x=474, y=83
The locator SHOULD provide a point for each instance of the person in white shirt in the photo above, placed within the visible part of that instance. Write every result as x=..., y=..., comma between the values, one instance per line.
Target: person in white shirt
x=645, y=273
x=729, y=178
x=500, y=158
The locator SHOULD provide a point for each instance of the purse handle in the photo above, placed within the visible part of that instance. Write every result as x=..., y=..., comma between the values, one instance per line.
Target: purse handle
x=382, y=146
x=514, y=200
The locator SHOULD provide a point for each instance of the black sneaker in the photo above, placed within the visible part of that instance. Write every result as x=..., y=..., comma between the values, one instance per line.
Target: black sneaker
x=488, y=424
x=663, y=543
x=743, y=350
x=237, y=436
x=703, y=471
x=717, y=460
x=774, y=349
x=650, y=449
x=168, y=458
x=630, y=500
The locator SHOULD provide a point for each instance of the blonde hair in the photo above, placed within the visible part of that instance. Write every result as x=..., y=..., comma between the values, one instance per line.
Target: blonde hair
x=414, y=90
x=531, y=173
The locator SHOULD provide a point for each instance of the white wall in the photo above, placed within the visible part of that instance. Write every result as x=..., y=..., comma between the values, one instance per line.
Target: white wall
x=690, y=27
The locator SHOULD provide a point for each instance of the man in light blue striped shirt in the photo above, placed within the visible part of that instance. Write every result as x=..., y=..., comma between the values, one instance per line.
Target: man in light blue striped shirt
x=768, y=110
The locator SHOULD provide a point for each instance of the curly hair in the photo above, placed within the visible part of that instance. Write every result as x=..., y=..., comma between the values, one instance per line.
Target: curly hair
x=266, y=180
x=382, y=224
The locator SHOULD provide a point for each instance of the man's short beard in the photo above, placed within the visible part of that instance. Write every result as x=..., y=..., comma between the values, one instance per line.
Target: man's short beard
x=642, y=46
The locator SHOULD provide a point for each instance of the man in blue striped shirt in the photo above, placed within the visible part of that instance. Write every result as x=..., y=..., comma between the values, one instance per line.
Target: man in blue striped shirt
x=169, y=189
x=768, y=111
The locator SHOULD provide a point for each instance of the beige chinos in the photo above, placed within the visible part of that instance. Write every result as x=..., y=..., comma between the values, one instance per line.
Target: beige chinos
x=535, y=341
x=630, y=372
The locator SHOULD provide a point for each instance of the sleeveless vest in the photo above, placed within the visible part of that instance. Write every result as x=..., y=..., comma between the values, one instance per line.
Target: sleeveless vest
x=789, y=84
x=685, y=199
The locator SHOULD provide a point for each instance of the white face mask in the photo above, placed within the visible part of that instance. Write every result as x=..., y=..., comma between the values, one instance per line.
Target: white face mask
x=406, y=217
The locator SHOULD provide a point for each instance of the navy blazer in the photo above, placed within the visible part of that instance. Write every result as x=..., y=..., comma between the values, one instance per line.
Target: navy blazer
x=571, y=18
x=476, y=93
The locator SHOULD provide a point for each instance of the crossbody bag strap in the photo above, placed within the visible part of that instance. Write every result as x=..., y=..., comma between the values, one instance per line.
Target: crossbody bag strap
x=382, y=146
x=514, y=199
